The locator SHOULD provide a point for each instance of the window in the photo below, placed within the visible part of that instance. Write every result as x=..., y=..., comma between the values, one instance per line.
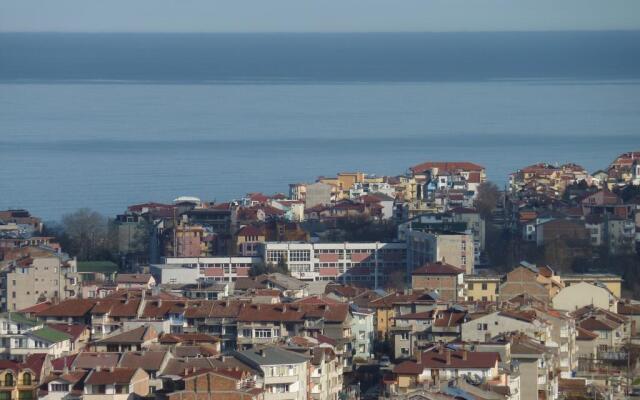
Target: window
x=99, y=389
x=122, y=389
x=279, y=388
x=59, y=387
x=26, y=379
x=299, y=255
x=361, y=335
x=470, y=285
x=246, y=332
x=8, y=379
x=262, y=333
x=404, y=336
x=484, y=286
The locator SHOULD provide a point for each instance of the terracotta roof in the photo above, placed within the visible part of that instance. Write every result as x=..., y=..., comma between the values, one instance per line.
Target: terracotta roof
x=271, y=312
x=195, y=337
x=446, y=166
x=116, y=307
x=90, y=360
x=583, y=334
x=625, y=308
x=597, y=324
x=526, y=316
x=418, y=315
x=36, y=308
x=438, y=268
x=147, y=360
x=110, y=376
x=249, y=230
x=449, y=318
x=133, y=336
x=408, y=368
x=59, y=364
x=68, y=308
x=474, y=359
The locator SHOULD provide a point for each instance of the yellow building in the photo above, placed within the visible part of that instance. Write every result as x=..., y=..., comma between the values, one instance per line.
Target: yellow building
x=18, y=384
x=611, y=281
x=482, y=288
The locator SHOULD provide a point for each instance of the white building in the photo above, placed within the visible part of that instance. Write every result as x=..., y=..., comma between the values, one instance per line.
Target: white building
x=346, y=262
x=185, y=270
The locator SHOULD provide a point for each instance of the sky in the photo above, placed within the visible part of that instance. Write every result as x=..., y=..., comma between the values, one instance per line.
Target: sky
x=316, y=15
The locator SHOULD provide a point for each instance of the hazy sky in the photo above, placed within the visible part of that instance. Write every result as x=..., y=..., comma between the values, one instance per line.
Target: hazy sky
x=316, y=15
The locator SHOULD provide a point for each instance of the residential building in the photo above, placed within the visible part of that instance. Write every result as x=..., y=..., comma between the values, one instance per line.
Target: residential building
x=317, y=194
x=18, y=382
x=42, y=275
x=482, y=287
x=453, y=248
x=583, y=294
x=116, y=384
x=441, y=364
x=611, y=281
x=225, y=384
x=444, y=279
x=283, y=374
x=482, y=328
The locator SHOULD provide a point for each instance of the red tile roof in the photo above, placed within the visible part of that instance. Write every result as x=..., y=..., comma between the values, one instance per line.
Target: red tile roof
x=474, y=359
x=68, y=308
x=110, y=376
x=438, y=268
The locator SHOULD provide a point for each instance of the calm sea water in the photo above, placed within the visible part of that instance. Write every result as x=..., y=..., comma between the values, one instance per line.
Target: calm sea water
x=103, y=121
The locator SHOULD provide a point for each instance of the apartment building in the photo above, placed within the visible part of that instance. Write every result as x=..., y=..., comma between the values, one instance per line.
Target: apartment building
x=284, y=374
x=42, y=275
x=482, y=287
x=453, y=248
x=444, y=279
x=346, y=262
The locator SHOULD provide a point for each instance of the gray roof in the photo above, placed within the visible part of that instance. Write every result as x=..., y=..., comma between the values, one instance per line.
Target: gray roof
x=287, y=282
x=270, y=356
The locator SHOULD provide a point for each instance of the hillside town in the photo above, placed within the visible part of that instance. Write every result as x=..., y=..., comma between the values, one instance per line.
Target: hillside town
x=435, y=284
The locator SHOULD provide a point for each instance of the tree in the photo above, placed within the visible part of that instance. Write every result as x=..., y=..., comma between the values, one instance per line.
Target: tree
x=487, y=199
x=87, y=235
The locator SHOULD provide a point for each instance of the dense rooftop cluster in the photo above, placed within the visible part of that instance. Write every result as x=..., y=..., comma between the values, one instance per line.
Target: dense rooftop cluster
x=296, y=297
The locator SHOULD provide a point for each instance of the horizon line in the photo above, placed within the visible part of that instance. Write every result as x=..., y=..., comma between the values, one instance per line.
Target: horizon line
x=373, y=32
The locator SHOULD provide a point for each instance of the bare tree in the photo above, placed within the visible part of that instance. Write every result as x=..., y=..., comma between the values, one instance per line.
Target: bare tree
x=487, y=199
x=87, y=234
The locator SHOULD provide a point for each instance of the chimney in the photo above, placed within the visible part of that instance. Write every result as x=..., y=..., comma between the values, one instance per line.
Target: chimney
x=465, y=355
x=98, y=368
x=262, y=353
x=447, y=355
x=186, y=371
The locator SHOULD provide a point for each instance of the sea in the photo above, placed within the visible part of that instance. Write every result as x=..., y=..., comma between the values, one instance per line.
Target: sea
x=108, y=120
